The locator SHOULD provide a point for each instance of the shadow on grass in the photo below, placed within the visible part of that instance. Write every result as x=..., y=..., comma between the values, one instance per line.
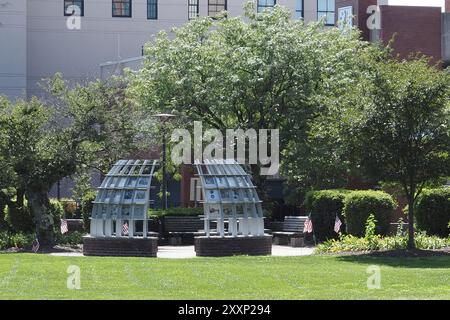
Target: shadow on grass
x=402, y=258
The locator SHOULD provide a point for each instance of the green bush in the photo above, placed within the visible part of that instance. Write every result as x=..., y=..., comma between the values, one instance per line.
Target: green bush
x=20, y=219
x=72, y=238
x=176, y=211
x=21, y=240
x=358, y=205
x=3, y=224
x=349, y=243
x=433, y=212
x=323, y=206
x=56, y=210
x=86, y=208
x=18, y=240
x=4, y=240
x=70, y=208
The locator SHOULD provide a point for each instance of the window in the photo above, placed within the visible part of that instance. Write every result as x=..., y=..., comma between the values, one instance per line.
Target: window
x=152, y=9
x=121, y=8
x=265, y=4
x=325, y=8
x=69, y=3
x=299, y=9
x=216, y=6
x=192, y=9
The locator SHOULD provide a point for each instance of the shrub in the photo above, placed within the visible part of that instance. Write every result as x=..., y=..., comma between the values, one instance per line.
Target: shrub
x=56, y=210
x=358, y=205
x=70, y=208
x=323, y=206
x=19, y=240
x=72, y=238
x=176, y=211
x=433, y=212
x=20, y=219
x=86, y=208
x=4, y=240
x=3, y=224
x=349, y=243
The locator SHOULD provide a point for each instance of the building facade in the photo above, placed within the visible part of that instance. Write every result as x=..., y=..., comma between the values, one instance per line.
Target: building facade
x=39, y=37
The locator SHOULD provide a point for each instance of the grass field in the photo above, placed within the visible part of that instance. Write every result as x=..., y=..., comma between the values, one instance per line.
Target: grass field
x=31, y=276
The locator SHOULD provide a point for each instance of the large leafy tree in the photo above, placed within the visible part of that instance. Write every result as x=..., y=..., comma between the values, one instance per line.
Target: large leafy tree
x=402, y=133
x=263, y=71
x=41, y=143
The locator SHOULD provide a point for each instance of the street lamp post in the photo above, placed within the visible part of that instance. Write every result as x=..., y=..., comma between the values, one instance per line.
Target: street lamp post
x=163, y=118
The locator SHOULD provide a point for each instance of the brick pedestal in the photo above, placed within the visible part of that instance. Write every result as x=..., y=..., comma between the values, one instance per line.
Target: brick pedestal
x=229, y=246
x=123, y=247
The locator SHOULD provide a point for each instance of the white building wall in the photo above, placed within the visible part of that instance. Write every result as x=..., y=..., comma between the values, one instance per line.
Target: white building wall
x=40, y=44
x=13, y=48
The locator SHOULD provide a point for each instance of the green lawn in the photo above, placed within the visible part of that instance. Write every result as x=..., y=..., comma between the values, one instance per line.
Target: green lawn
x=38, y=276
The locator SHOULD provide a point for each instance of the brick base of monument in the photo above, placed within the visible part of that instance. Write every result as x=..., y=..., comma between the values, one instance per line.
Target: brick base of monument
x=230, y=246
x=123, y=247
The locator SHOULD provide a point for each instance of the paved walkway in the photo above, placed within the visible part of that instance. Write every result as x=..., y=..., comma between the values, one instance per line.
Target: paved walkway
x=183, y=252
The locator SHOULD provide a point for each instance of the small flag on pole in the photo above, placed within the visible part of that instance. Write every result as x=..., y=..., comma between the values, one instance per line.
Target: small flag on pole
x=337, y=225
x=64, y=228
x=35, y=246
x=308, y=227
x=125, y=229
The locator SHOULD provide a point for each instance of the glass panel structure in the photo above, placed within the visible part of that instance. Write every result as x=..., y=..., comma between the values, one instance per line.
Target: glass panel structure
x=230, y=199
x=123, y=198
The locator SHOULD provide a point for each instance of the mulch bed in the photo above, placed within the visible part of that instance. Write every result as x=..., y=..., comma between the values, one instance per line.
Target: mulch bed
x=48, y=249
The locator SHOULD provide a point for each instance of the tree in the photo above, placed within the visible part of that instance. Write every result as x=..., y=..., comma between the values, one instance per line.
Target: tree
x=266, y=71
x=41, y=143
x=402, y=134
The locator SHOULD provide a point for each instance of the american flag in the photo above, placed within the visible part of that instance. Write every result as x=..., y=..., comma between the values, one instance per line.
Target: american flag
x=337, y=225
x=308, y=227
x=64, y=228
x=125, y=229
x=35, y=246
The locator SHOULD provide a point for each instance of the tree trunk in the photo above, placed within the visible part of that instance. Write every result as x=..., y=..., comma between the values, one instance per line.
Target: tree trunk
x=20, y=197
x=411, y=244
x=39, y=204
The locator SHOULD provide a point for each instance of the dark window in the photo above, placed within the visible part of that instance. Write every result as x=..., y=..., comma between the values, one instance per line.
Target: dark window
x=192, y=9
x=121, y=8
x=299, y=9
x=68, y=10
x=152, y=9
x=216, y=6
x=265, y=4
x=325, y=8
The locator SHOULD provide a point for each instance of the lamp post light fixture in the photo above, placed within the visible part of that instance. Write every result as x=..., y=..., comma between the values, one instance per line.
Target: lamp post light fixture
x=163, y=118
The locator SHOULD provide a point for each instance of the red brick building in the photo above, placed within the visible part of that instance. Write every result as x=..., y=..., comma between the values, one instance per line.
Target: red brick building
x=415, y=29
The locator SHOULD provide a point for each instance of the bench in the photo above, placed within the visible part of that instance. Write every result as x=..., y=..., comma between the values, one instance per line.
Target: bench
x=290, y=232
x=182, y=229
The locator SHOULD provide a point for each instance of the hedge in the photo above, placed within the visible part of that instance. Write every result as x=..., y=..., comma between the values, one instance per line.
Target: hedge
x=432, y=212
x=86, y=208
x=323, y=206
x=358, y=205
x=20, y=219
x=175, y=211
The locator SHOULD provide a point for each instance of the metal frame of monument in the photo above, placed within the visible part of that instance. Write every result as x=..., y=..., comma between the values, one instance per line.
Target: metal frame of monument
x=123, y=197
x=230, y=198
